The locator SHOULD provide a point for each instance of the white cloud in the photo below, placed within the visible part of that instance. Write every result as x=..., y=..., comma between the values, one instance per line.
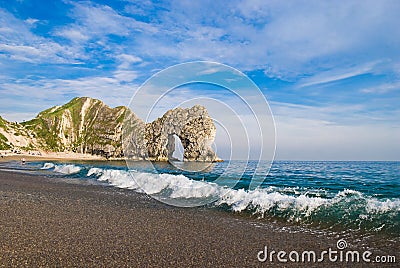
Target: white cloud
x=16, y=117
x=126, y=60
x=125, y=76
x=20, y=44
x=337, y=75
x=336, y=132
x=383, y=88
x=31, y=21
x=129, y=58
x=74, y=35
x=97, y=21
x=338, y=114
x=287, y=38
x=313, y=140
x=25, y=53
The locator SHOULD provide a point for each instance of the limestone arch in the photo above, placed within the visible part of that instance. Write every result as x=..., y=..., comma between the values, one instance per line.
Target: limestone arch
x=193, y=126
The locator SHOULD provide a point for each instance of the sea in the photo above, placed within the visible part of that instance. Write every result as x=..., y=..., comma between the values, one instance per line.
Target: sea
x=335, y=196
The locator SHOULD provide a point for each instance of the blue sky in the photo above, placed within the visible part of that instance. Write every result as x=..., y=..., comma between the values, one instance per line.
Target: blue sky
x=330, y=70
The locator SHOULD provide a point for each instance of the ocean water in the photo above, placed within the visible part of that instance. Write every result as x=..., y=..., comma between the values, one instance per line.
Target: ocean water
x=339, y=196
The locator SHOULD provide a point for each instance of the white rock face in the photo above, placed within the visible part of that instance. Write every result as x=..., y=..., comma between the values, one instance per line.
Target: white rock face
x=16, y=135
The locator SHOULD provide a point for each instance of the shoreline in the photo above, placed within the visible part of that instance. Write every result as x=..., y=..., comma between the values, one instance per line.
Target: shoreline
x=7, y=156
x=70, y=156
x=55, y=223
x=64, y=156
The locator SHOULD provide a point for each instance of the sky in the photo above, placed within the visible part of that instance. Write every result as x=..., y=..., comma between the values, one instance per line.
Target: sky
x=330, y=70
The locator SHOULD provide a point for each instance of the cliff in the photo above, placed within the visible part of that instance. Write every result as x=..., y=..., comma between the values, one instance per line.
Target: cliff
x=15, y=135
x=89, y=126
x=83, y=125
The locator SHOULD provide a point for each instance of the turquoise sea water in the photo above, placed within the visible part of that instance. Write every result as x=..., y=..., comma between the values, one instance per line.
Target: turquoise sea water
x=339, y=196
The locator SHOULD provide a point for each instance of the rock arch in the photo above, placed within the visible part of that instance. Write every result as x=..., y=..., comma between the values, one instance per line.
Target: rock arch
x=193, y=126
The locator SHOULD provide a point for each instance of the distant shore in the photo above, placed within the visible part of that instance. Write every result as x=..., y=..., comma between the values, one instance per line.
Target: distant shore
x=47, y=222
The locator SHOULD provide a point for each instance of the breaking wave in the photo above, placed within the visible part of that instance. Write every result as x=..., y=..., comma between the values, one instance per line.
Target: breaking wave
x=345, y=209
x=348, y=208
x=48, y=166
x=64, y=169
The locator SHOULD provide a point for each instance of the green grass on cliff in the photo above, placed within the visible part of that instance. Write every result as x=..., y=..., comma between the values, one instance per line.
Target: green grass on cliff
x=100, y=124
x=3, y=123
x=47, y=123
x=3, y=143
x=74, y=106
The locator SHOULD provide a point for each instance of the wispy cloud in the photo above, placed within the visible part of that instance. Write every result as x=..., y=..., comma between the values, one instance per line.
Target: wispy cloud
x=74, y=35
x=98, y=21
x=18, y=43
x=126, y=60
x=288, y=39
x=339, y=132
x=125, y=76
x=302, y=138
x=383, y=88
x=337, y=75
x=31, y=21
x=338, y=114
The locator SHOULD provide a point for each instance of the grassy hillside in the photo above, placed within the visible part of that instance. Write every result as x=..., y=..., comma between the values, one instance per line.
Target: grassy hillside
x=46, y=125
x=82, y=125
x=3, y=143
x=3, y=123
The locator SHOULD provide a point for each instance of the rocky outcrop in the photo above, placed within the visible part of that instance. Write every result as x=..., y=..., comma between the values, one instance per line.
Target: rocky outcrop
x=86, y=125
x=195, y=129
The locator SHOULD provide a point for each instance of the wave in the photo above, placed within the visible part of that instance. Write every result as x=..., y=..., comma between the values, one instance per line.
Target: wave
x=348, y=208
x=117, y=178
x=67, y=169
x=64, y=169
x=172, y=186
x=48, y=166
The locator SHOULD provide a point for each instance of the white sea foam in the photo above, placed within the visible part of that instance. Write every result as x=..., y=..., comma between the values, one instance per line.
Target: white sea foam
x=95, y=171
x=348, y=192
x=67, y=169
x=178, y=186
x=372, y=204
x=117, y=178
x=375, y=206
x=48, y=166
x=262, y=201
